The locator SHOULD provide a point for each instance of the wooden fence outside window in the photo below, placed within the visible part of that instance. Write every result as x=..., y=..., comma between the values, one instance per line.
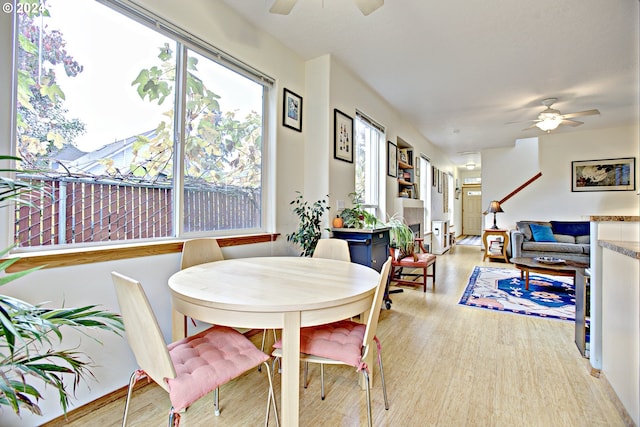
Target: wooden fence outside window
x=69, y=211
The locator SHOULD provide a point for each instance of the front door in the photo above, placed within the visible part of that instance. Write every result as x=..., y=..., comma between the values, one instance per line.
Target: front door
x=471, y=210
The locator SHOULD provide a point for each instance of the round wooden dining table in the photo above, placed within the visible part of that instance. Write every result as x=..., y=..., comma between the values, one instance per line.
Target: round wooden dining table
x=273, y=293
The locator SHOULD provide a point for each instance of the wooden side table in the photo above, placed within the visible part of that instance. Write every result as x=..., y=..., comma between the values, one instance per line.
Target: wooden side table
x=488, y=253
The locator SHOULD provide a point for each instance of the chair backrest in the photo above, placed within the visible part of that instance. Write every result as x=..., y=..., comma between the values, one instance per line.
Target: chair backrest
x=376, y=305
x=200, y=251
x=142, y=330
x=337, y=249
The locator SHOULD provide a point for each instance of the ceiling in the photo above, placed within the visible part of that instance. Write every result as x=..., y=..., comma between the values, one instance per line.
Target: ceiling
x=459, y=70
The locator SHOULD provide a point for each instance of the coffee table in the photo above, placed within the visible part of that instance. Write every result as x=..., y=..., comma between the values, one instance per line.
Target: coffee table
x=566, y=268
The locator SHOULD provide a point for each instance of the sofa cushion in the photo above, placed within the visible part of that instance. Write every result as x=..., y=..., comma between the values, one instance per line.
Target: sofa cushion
x=571, y=228
x=586, y=249
x=583, y=240
x=524, y=228
x=564, y=238
x=542, y=233
x=570, y=248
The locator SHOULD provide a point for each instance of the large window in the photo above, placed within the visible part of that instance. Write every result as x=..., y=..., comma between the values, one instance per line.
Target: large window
x=369, y=141
x=136, y=129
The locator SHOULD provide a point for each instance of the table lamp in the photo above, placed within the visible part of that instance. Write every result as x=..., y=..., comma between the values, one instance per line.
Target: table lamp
x=494, y=207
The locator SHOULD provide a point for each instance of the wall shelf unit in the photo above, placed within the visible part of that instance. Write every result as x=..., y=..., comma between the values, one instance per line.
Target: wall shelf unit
x=406, y=171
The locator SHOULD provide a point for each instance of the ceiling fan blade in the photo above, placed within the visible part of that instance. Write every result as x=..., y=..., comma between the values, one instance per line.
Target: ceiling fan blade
x=521, y=121
x=282, y=7
x=580, y=114
x=572, y=123
x=532, y=126
x=368, y=6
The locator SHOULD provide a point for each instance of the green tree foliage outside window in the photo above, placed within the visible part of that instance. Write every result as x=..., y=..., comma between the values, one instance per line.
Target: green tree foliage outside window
x=43, y=128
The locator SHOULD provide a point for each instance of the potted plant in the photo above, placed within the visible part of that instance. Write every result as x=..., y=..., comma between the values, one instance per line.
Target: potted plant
x=309, y=223
x=402, y=237
x=357, y=216
x=28, y=359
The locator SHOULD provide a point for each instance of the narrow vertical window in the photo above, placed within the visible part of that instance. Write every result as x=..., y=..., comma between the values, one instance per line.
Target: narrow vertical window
x=369, y=141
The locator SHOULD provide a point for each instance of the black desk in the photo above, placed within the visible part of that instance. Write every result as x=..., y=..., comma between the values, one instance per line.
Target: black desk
x=368, y=247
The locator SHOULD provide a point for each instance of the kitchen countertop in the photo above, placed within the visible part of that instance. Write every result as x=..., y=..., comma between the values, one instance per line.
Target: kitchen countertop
x=630, y=249
x=626, y=218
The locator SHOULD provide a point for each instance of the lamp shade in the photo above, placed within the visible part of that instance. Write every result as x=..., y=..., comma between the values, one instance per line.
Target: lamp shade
x=494, y=207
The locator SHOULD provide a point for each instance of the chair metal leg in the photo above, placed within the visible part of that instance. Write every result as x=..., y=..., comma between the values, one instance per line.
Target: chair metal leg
x=322, y=381
x=216, y=401
x=264, y=335
x=384, y=386
x=271, y=398
x=132, y=382
x=172, y=418
x=273, y=366
x=305, y=381
x=368, y=386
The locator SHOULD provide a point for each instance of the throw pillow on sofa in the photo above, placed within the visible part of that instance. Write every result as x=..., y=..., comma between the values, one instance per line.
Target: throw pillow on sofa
x=542, y=233
x=571, y=228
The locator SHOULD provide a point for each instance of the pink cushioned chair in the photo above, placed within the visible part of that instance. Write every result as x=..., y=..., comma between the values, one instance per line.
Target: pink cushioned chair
x=345, y=343
x=187, y=369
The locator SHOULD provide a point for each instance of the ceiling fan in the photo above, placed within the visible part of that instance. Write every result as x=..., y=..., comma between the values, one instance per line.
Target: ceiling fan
x=550, y=119
x=283, y=7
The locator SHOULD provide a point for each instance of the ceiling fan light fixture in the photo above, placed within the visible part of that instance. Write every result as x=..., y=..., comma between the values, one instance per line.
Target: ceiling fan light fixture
x=549, y=123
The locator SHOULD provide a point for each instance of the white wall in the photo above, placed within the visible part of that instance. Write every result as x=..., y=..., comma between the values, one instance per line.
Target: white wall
x=550, y=197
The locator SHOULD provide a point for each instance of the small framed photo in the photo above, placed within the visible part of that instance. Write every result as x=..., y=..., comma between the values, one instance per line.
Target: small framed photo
x=292, y=110
x=603, y=175
x=392, y=159
x=404, y=157
x=343, y=136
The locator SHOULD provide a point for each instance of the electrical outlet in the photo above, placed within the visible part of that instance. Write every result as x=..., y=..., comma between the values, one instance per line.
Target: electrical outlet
x=340, y=204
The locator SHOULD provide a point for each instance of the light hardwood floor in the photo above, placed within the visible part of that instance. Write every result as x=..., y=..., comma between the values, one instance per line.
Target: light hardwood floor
x=445, y=365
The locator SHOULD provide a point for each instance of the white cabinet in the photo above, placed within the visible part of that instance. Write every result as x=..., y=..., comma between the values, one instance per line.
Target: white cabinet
x=440, y=237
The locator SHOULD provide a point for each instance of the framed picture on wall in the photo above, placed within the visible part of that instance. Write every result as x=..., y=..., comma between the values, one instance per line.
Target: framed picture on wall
x=342, y=136
x=292, y=110
x=603, y=175
x=392, y=159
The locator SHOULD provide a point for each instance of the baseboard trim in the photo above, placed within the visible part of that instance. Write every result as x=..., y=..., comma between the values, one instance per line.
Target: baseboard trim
x=86, y=409
x=626, y=418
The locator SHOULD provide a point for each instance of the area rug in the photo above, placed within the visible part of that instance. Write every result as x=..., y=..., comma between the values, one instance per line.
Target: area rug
x=503, y=289
x=469, y=240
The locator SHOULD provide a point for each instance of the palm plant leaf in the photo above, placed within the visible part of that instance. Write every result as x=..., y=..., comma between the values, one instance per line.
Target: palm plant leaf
x=26, y=348
x=25, y=329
